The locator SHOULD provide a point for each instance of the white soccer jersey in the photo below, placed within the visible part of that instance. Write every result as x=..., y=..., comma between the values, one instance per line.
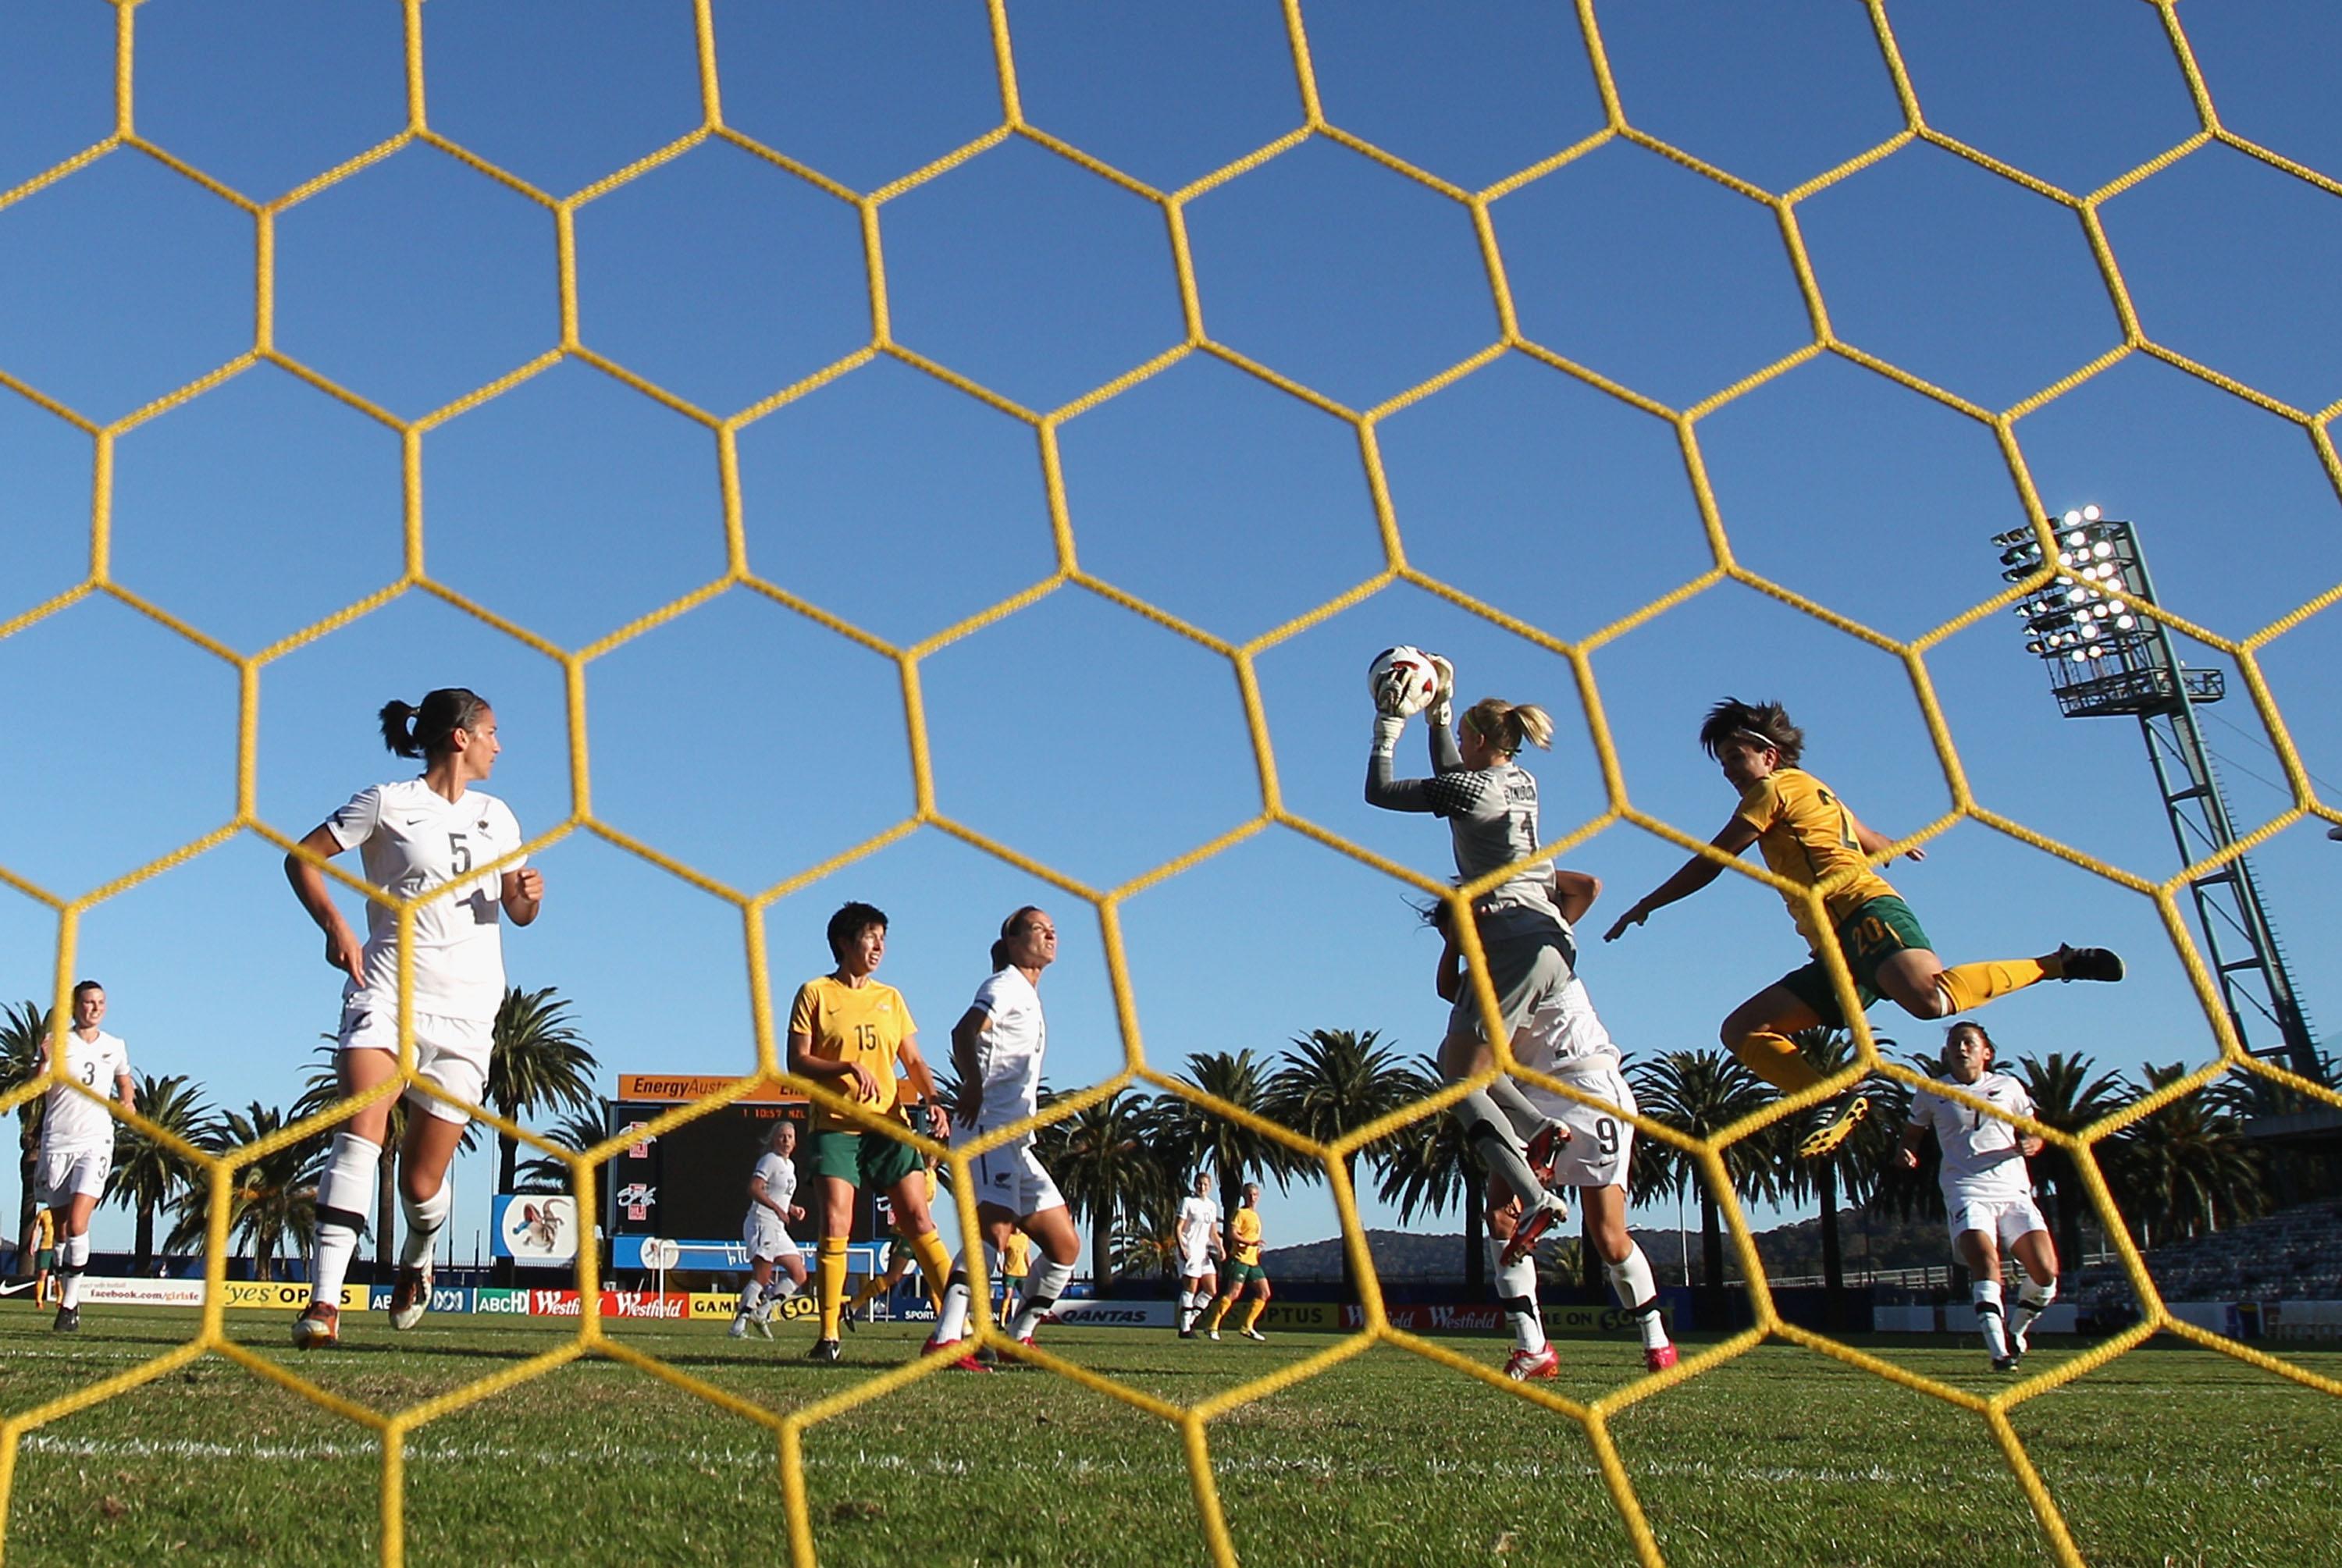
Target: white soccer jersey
x=1008, y=1050
x=780, y=1178
x=1198, y=1218
x=68, y=1121
x=1981, y=1159
x=1564, y=1037
x=412, y=840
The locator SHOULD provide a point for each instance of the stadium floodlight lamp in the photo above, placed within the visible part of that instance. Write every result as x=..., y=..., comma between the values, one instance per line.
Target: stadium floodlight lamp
x=2072, y=518
x=2091, y=514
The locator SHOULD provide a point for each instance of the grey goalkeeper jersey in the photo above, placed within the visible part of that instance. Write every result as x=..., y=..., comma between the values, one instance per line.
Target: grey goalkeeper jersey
x=1492, y=820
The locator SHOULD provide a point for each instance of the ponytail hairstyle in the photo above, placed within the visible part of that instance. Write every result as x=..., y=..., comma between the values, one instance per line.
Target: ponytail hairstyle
x=1510, y=724
x=1010, y=928
x=1762, y=723
x=429, y=731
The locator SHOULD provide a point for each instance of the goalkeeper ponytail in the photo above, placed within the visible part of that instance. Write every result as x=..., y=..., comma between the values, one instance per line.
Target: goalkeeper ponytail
x=1510, y=724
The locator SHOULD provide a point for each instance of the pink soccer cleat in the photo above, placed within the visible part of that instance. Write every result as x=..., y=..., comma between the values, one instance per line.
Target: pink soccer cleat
x=1524, y=1364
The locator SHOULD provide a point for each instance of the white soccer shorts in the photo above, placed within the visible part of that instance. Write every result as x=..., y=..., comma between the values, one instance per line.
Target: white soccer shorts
x=765, y=1235
x=1011, y=1175
x=1198, y=1265
x=1601, y=1141
x=453, y=1053
x=2008, y=1218
x=70, y=1173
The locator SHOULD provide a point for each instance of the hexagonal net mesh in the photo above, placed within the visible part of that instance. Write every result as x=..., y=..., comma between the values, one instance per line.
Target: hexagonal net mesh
x=1193, y=1421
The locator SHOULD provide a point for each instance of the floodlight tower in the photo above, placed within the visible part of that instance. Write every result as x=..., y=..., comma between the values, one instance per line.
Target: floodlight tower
x=2104, y=661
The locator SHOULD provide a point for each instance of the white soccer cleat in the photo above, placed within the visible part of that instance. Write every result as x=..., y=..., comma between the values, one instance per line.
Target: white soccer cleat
x=1215, y=1336
x=739, y=1329
x=410, y=1298
x=1523, y=1365
x=1255, y=1333
x=318, y=1328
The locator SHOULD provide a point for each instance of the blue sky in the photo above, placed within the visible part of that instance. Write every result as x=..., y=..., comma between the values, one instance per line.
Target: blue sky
x=752, y=743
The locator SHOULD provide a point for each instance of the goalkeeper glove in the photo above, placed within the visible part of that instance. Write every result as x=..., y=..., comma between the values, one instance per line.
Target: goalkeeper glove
x=1438, y=712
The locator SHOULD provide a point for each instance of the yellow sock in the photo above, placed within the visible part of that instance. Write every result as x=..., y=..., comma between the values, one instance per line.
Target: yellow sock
x=865, y=1295
x=829, y=1261
x=935, y=1264
x=1776, y=1059
x=1259, y=1305
x=1219, y=1311
x=1974, y=985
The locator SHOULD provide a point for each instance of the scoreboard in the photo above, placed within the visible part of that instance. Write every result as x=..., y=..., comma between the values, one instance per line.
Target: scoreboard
x=691, y=1183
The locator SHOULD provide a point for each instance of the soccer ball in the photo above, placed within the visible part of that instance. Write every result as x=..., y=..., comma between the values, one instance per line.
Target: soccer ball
x=1402, y=681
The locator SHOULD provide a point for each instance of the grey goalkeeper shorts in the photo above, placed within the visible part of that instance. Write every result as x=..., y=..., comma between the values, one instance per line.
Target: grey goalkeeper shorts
x=1529, y=961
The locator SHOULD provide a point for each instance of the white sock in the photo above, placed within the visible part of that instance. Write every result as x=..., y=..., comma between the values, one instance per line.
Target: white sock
x=1632, y=1282
x=750, y=1294
x=1040, y=1296
x=345, y=1193
x=423, y=1221
x=76, y=1258
x=959, y=1300
x=1187, y=1309
x=1517, y=1294
x=1988, y=1307
x=2032, y=1301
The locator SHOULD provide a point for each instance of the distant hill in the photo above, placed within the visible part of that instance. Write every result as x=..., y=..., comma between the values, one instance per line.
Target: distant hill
x=1789, y=1250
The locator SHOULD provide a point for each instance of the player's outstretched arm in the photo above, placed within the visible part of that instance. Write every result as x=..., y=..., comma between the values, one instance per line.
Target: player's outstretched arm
x=1875, y=844
x=1689, y=878
x=343, y=950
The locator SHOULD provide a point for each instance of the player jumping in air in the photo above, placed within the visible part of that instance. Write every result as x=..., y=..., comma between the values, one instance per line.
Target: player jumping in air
x=77, y=1140
x=1198, y=1235
x=1491, y=807
x=1244, y=1270
x=1809, y=836
x=997, y=1047
x=414, y=836
x=848, y=1032
x=1563, y=1038
x=1988, y=1193
x=765, y=1232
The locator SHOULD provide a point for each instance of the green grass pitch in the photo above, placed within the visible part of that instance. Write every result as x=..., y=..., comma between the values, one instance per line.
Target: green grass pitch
x=2168, y=1457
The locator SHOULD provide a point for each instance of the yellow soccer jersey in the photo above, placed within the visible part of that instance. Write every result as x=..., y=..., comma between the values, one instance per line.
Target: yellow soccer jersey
x=1808, y=834
x=45, y=1230
x=1247, y=1229
x=1019, y=1261
x=846, y=1023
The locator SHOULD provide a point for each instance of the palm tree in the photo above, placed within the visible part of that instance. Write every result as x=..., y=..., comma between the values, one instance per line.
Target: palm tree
x=23, y=1029
x=1854, y=1166
x=537, y=1062
x=2186, y=1168
x=149, y=1175
x=272, y=1201
x=2067, y=1097
x=1193, y=1137
x=1105, y=1159
x=1428, y=1164
x=578, y=1130
x=1333, y=1083
x=1700, y=1093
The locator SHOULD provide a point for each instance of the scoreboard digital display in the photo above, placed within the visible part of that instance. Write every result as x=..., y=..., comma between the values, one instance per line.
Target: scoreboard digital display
x=690, y=1182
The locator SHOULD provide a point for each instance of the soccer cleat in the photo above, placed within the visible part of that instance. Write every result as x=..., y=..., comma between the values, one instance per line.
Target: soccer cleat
x=1534, y=1225
x=68, y=1321
x=964, y=1363
x=318, y=1328
x=1832, y=1124
x=2088, y=964
x=739, y=1329
x=1658, y=1357
x=1544, y=1151
x=411, y=1297
x=1255, y=1333
x=2006, y=1362
x=1186, y=1334
x=764, y=1324
x=1524, y=1364
x=826, y=1352
x=1214, y=1336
